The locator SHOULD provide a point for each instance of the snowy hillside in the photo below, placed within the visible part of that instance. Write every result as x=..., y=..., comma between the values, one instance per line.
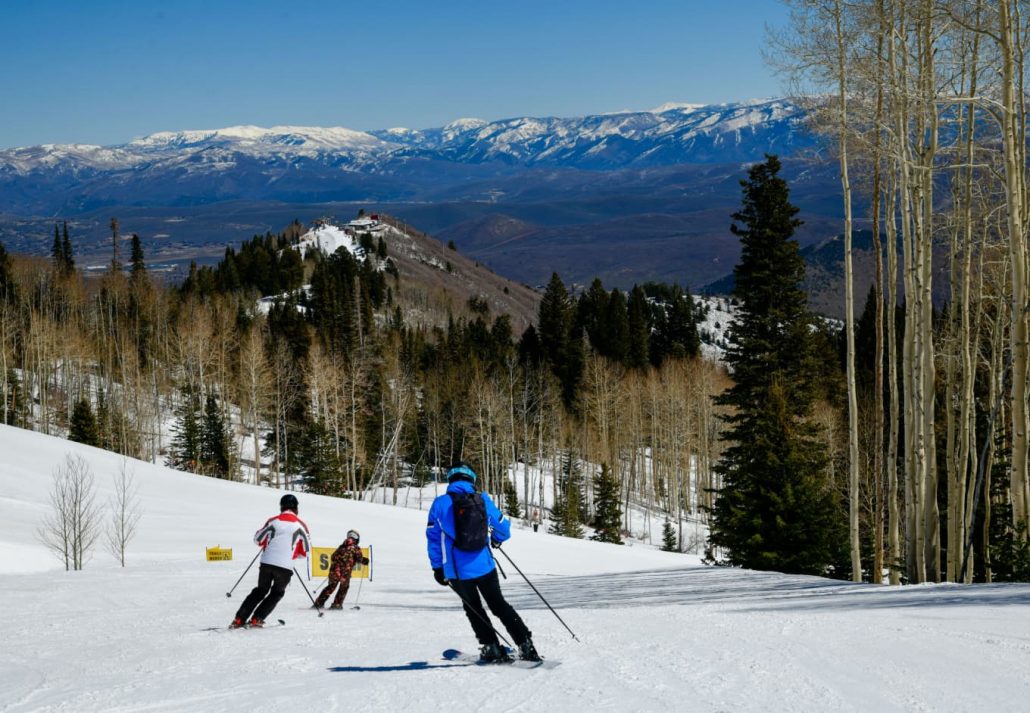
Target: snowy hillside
x=716, y=315
x=658, y=631
x=329, y=238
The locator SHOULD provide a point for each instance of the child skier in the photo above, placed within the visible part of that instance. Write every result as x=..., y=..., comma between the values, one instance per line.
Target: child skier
x=344, y=560
x=283, y=539
x=458, y=538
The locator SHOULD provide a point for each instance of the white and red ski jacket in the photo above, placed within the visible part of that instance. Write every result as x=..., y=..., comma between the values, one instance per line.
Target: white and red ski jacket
x=283, y=538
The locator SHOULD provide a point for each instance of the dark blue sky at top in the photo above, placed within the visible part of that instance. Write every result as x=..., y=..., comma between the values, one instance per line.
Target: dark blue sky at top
x=106, y=71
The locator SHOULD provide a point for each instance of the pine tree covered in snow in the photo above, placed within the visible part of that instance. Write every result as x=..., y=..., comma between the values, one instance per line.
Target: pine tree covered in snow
x=776, y=510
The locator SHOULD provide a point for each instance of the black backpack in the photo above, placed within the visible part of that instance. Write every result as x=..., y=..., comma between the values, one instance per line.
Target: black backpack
x=471, y=526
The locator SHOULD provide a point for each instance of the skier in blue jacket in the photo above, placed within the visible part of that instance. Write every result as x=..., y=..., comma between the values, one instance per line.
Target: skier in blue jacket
x=470, y=571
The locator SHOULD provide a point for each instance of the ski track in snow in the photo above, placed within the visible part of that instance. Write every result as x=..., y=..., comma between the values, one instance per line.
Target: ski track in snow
x=659, y=631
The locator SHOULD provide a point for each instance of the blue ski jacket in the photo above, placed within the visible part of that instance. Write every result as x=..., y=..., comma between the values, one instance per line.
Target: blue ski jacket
x=458, y=564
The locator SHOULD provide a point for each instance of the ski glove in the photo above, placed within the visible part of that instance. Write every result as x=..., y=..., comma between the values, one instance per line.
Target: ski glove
x=494, y=543
x=364, y=560
x=438, y=576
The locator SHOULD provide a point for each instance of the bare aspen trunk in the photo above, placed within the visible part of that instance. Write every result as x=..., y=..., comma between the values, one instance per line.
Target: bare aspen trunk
x=854, y=495
x=1014, y=151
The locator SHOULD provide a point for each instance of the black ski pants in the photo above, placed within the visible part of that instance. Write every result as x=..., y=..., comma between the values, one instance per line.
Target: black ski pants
x=490, y=587
x=270, y=588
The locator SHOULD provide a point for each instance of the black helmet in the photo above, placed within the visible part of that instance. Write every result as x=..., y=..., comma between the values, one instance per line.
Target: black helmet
x=461, y=471
x=288, y=502
x=354, y=535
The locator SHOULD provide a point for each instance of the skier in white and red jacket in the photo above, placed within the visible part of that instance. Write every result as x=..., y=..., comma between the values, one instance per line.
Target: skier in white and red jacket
x=283, y=539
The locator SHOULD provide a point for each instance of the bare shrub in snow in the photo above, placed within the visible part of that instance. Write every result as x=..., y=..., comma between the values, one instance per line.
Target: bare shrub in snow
x=126, y=511
x=71, y=528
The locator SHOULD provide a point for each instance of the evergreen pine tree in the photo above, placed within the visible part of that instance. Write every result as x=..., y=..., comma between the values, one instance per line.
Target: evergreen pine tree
x=7, y=291
x=116, y=258
x=320, y=468
x=591, y=314
x=511, y=500
x=66, y=250
x=560, y=341
x=616, y=330
x=139, y=267
x=57, y=250
x=83, y=426
x=214, y=440
x=184, y=453
x=638, y=354
x=670, y=542
x=776, y=510
x=608, y=513
x=565, y=513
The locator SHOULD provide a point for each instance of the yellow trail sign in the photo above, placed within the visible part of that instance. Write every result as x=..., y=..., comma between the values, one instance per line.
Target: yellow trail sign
x=218, y=554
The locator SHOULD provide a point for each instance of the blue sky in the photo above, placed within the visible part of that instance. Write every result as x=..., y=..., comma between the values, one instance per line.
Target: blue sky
x=106, y=71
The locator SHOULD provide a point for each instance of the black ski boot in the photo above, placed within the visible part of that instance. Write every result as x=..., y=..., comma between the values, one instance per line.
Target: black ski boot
x=527, y=652
x=493, y=653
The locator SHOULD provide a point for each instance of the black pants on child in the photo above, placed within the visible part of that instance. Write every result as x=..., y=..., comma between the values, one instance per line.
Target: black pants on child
x=270, y=588
x=490, y=587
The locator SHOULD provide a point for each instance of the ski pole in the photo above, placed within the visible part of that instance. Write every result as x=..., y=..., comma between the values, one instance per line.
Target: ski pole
x=500, y=568
x=358, y=598
x=472, y=609
x=229, y=593
x=537, y=592
x=318, y=608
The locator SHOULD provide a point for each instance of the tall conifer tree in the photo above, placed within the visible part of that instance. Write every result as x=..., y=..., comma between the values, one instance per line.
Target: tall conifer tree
x=139, y=265
x=776, y=510
x=608, y=518
x=57, y=250
x=66, y=249
x=7, y=292
x=214, y=440
x=83, y=426
x=561, y=343
x=638, y=315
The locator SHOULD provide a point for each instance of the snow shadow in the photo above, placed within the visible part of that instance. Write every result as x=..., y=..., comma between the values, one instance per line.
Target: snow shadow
x=411, y=666
x=753, y=591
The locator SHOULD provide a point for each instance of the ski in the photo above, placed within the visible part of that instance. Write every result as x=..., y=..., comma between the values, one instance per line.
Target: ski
x=456, y=655
x=268, y=625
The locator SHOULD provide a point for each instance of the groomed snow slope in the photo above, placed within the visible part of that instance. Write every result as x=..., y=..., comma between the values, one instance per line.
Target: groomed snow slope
x=659, y=631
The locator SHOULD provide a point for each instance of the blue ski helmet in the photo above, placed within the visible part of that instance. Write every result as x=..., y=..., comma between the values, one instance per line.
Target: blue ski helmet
x=461, y=471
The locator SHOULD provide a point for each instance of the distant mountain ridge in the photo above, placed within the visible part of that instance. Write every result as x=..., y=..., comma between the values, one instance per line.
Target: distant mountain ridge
x=305, y=164
x=627, y=196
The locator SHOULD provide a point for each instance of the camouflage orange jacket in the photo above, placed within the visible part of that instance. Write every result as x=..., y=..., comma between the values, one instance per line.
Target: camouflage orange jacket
x=344, y=559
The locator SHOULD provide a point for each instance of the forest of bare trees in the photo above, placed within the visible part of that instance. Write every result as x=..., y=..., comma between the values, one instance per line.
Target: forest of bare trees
x=331, y=392
x=928, y=119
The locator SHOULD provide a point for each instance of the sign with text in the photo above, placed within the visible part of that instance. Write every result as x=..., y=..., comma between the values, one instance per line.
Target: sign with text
x=322, y=557
x=218, y=554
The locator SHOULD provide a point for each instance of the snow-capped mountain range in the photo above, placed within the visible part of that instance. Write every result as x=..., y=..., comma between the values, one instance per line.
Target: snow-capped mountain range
x=300, y=164
x=670, y=134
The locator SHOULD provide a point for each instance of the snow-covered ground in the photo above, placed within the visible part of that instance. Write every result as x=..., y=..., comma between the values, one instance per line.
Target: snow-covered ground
x=658, y=631
x=328, y=238
x=714, y=326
